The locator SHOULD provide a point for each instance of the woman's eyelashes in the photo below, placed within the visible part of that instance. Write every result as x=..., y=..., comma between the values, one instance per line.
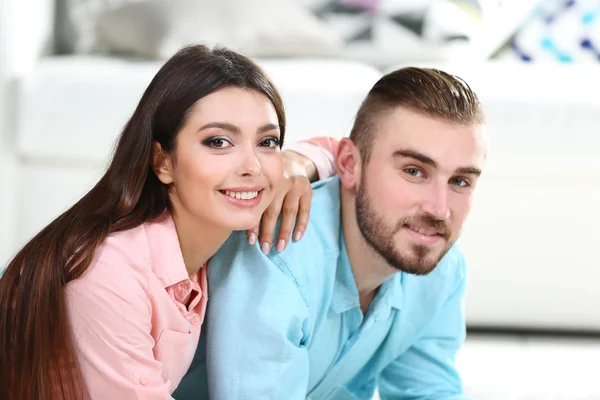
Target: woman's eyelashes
x=270, y=142
x=223, y=142
x=217, y=142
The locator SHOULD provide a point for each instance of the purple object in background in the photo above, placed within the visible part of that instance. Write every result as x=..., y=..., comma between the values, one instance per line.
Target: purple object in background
x=366, y=5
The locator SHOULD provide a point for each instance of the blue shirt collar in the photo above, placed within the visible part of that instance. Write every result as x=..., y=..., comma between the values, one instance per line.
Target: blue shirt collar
x=345, y=295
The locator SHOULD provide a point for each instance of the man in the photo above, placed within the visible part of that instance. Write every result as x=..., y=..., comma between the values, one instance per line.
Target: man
x=372, y=296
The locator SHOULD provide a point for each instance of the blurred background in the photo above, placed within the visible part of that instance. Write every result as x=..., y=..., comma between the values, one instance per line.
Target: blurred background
x=72, y=71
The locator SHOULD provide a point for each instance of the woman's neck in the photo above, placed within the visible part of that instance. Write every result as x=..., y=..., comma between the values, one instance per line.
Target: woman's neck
x=198, y=240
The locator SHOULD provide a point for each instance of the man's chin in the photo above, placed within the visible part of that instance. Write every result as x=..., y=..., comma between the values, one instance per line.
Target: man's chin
x=422, y=264
x=418, y=268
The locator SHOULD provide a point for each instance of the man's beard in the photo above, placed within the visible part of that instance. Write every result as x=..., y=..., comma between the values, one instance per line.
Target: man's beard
x=379, y=235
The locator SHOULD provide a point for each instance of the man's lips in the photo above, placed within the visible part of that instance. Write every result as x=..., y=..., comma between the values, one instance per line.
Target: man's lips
x=424, y=230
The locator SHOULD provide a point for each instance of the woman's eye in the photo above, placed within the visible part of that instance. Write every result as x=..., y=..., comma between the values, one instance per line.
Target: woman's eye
x=270, y=142
x=218, y=143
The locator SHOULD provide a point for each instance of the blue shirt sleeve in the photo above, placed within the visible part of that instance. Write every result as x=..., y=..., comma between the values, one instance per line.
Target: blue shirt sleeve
x=255, y=329
x=427, y=370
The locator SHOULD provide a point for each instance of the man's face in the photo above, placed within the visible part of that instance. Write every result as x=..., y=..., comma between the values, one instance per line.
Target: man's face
x=416, y=190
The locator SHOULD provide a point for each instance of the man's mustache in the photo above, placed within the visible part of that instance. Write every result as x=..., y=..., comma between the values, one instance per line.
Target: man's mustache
x=427, y=221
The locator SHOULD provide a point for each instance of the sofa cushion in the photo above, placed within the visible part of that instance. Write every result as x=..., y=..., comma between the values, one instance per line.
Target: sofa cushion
x=8, y=180
x=155, y=29
x=73, y=108
x=56, y=186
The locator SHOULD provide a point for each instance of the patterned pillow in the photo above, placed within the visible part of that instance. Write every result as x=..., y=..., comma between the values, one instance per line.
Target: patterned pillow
x=558, y=31
x=387, y=32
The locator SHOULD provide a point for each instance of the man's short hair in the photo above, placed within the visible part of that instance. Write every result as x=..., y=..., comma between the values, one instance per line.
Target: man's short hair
x=428, y=91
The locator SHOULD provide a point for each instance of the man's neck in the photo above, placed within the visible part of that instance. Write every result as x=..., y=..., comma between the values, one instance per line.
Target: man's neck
x=369, y=268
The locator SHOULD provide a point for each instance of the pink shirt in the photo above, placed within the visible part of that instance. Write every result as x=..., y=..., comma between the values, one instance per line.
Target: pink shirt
x=321, y=151
x=134, y=337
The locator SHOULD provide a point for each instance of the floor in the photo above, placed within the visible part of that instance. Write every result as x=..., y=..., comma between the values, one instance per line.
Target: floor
x=521, y=367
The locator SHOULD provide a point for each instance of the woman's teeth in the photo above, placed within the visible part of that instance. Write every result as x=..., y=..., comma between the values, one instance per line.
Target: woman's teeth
x=241, y=195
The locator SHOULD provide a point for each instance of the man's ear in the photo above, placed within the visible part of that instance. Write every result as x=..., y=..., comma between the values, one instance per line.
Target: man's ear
x=162, y=164
x=348, y=163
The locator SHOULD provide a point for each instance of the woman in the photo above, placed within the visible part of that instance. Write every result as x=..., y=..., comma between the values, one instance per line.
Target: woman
x=107, y=301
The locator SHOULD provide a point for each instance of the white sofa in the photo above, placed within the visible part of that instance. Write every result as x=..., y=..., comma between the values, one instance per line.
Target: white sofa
x=532, y=234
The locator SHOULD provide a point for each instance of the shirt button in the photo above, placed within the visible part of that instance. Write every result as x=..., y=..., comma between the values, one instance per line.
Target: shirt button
x=144, y=380
x=195, y=319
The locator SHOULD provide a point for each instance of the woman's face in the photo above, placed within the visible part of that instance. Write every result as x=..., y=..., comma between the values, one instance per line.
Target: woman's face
x=227, y=160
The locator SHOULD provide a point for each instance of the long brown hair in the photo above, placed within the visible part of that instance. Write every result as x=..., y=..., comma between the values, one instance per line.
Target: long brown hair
x=37, y=358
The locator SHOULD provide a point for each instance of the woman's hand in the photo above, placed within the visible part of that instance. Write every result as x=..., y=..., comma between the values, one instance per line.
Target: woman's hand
x=292, y=200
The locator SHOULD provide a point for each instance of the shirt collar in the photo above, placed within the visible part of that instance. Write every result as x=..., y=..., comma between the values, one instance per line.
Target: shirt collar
x=389, y=296
x=166, y=258
x=345, y=294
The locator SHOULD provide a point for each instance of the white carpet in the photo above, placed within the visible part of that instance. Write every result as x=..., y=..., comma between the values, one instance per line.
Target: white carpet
x=523, y=368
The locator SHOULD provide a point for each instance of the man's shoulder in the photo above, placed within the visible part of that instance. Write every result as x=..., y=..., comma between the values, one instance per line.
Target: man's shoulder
x=444, y=280
x=325, y=198
x=453, y=264
x=320, y=243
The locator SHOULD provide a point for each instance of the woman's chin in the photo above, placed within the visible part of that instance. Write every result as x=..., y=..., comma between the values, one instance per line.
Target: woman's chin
x=242, y=224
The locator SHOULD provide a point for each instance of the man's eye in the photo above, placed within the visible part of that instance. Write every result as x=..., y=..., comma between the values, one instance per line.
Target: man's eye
x=416, y=172
x=460, y=182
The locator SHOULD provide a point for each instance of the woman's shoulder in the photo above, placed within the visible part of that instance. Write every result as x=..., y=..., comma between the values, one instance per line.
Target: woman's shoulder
x=125, y=247
x=122, y=259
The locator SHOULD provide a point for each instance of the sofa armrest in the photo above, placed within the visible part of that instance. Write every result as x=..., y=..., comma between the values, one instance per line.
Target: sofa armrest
x=26, y=31
x=8, y=207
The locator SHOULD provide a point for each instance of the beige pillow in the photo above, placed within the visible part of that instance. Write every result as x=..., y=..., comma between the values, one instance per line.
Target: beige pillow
x=259, y=28
x=77, y=21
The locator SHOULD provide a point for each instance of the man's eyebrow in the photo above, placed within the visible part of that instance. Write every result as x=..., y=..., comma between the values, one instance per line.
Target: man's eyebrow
x=429, y=161
x=468, y=171
x=416, y=155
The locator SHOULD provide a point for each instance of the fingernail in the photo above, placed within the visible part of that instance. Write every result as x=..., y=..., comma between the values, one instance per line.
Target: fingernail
x=280, y=245
x=265, y=247
x=298, y=235
x=252, y=238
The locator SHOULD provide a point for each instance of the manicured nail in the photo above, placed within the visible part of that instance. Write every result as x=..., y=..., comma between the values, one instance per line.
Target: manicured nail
x=252, y=238
x=298, y=235
x=280, y=245
x=265, y=247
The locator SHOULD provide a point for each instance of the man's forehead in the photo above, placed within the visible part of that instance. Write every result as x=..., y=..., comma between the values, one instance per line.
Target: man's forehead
x=443, y=141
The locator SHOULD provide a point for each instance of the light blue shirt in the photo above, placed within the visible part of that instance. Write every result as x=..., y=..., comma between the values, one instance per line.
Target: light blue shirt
x=289, y=325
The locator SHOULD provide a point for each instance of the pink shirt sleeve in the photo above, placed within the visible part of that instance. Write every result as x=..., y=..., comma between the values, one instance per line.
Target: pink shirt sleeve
x=110, y=316
x=321, y=151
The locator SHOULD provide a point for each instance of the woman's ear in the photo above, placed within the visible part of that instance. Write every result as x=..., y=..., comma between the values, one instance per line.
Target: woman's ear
x=348, y=163
x=162, y=164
